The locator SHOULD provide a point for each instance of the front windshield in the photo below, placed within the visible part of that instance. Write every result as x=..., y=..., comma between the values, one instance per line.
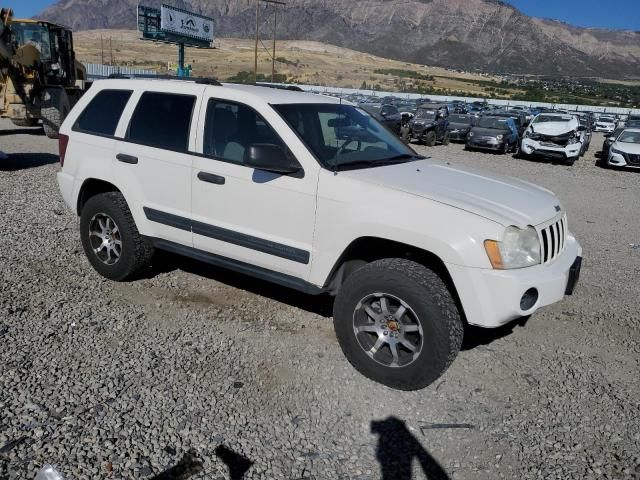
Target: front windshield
x=340, y=135
x=552, y=118
x=629, y=137
x=493, y=123
x=32, y=34
x=605, y=119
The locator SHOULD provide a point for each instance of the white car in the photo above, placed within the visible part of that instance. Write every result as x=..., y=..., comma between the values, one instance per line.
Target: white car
x=605, y=124
x=554, y=136
x=625, y=151
x=314, y=194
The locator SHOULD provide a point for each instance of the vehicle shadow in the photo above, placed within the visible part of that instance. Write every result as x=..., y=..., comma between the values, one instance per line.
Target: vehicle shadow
x=22, y=131
x=398, y=448
x=165, y=262
x=477, y=336
x=24, y=161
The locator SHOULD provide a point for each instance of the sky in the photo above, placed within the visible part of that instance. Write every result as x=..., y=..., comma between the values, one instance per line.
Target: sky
x=617, y=14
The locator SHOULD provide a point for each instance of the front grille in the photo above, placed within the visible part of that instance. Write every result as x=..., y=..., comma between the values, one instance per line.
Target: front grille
x=553, y=238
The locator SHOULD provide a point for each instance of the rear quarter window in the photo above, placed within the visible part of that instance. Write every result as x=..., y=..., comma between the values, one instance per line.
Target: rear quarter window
x=102, y=114
x=162, y=120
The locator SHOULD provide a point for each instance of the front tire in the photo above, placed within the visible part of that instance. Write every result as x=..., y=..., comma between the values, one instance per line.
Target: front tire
x=55, y=108
x=110, y=238
x=446, y=139
x=397, y=323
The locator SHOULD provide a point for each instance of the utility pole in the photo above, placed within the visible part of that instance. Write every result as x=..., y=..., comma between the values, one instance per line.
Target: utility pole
x=255, y=70
x=101, y=51
x=111, y=50
x=273, y=58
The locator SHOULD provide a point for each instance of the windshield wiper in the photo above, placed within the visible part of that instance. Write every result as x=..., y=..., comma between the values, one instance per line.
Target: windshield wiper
x=380, y=162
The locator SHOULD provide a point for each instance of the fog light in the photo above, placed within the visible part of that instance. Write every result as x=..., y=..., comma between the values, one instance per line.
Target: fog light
x=529, y=299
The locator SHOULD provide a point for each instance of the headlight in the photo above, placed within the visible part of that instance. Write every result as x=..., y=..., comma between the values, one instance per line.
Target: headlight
x=518, y=249
x=499, y=137
x=618, y=152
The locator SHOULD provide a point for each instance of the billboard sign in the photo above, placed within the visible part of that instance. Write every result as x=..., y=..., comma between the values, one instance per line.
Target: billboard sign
x=186, y=24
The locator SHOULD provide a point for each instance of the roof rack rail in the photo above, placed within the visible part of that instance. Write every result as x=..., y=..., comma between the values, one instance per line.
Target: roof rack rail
x=202, y=80
x=293, y=88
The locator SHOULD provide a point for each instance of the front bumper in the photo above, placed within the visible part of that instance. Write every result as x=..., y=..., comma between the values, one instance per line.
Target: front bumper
x=458, y=135
x=533, y=147
x=492, y=298
x=617, y=160
x=494, y=145
x=604, y=129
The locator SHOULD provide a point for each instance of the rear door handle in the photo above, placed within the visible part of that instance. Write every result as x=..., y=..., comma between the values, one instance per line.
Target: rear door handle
x=127, y=158
x=211, y=178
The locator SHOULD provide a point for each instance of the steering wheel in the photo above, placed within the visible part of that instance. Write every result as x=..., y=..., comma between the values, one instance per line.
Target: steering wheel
x=349, y=141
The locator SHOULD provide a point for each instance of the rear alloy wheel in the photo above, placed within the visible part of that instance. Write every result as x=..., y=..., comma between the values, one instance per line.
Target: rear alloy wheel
x=397, y=323
x=110, y=238
x=430, y=139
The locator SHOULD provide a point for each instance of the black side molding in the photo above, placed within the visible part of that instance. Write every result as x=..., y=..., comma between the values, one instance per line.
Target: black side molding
x=229, y=236
x=240, y=267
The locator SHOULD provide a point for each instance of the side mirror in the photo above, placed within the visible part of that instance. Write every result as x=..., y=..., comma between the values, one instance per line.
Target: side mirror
x=270, y=158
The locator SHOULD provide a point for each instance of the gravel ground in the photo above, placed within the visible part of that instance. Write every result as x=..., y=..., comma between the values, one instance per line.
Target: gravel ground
x=198, y=373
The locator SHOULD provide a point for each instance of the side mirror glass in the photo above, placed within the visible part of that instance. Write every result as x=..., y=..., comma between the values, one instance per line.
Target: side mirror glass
x=271, y=158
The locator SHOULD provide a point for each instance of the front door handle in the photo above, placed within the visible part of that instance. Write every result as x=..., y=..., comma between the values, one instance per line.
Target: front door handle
x=127, y=158
x=211, y=178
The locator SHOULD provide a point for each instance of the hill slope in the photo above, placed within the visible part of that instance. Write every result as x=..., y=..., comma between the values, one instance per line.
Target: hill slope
x=488, y=35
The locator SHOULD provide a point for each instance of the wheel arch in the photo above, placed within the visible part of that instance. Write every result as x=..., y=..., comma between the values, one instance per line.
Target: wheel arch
x=90, y=188
x=365, y=250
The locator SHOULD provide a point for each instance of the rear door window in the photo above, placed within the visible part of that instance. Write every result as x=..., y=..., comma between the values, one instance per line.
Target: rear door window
x=162, y=120
x=102, y=114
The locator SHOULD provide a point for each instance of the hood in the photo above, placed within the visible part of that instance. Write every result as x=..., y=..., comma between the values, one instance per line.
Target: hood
x=555, y=128
x=632, y=148
x=488, y=132
x=502, y=199
x=459, y=126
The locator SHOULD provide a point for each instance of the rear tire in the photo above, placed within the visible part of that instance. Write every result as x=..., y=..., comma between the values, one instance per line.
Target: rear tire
x=55, y=108
x=110, y=238
x=430, y=139
x=427, y=334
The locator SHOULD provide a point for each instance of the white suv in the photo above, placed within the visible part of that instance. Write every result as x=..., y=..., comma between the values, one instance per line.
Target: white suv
x=309, y=192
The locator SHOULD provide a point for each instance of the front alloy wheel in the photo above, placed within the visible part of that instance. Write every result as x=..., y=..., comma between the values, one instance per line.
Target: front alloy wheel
x=387, y=329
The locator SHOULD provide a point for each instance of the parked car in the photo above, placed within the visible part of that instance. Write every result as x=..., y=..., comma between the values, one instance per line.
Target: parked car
x=388, y=115
x=498, y=134
x=256, y=180
x=460, y=126
x=625, y=151
x=554, y=136
x=519, y=118
x=610, y=140
x=633, y=121
x=429, y=125
x=605, y=124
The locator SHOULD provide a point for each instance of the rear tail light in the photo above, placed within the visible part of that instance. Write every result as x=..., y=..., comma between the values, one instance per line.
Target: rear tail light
x=63, y=141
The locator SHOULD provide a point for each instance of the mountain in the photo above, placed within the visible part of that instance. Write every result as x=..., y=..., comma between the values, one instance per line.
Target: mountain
x=487, y=35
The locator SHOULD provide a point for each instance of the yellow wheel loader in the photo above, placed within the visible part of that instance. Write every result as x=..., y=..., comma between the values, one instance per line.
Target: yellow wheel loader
x=40, y=78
